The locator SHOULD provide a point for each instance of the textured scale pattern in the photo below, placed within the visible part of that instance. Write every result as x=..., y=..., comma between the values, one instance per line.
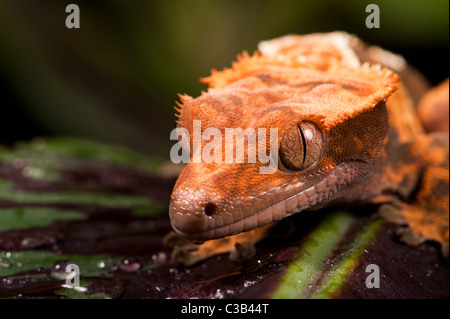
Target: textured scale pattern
x=374, y=148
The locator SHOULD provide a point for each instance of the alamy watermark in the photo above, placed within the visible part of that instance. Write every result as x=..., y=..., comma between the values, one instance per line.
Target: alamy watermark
x=73, y=279
x=238, y=143
x=373, y=19
x=73, y=19
x=373, y=279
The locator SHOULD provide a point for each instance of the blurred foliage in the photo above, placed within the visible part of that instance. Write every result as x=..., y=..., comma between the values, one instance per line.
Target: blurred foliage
x=117, y=77
x=104, y=208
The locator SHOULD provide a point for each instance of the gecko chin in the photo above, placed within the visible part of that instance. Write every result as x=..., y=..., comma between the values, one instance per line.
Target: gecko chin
x=200, y=219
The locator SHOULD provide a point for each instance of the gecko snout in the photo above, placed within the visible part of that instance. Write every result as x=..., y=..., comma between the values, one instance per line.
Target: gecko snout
x=194, y=217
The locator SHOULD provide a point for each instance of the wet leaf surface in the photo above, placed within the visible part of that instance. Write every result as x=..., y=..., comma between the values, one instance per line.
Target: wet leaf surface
x=105, y=209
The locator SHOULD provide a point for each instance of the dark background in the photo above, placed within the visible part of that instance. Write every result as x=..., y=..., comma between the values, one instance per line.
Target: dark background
x=117, y=77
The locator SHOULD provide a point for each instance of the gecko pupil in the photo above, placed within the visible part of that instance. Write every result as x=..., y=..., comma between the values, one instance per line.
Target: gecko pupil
x=303, y=143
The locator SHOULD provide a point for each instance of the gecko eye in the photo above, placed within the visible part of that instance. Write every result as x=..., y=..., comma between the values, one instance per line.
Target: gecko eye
x=301, y=146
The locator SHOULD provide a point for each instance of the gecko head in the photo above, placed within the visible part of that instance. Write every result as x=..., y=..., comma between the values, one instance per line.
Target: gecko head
x=330, y=129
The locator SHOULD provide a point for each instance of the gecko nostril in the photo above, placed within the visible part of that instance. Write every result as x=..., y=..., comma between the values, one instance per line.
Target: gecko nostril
x=210, y=209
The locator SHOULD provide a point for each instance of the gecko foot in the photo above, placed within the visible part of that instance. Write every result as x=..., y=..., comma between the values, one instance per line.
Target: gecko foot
x=240, y=247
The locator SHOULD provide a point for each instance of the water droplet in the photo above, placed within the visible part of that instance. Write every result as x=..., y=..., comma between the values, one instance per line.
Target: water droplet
x=173, y=270
x=59, y=269
x=33, y=172
x=60, y=266
x=160, y=257
x=219, y=294
x=229, y=292
x=7, y=280
x=29, y=242
x=129, y=266
x=249, y=283
x=4, y=263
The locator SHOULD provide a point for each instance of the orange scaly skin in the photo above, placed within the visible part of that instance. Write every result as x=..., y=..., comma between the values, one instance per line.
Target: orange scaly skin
x=364, y=140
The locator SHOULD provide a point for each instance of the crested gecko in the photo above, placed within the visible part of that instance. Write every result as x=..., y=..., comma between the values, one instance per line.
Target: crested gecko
x=355, y=126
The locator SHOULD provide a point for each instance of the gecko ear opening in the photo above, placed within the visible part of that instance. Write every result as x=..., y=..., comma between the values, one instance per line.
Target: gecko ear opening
x=301, y=147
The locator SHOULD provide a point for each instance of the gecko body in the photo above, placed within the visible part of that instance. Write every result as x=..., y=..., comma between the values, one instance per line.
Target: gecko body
x=349, y=133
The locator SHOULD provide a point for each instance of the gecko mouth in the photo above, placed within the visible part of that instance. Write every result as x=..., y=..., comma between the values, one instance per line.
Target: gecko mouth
x=199, y=226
